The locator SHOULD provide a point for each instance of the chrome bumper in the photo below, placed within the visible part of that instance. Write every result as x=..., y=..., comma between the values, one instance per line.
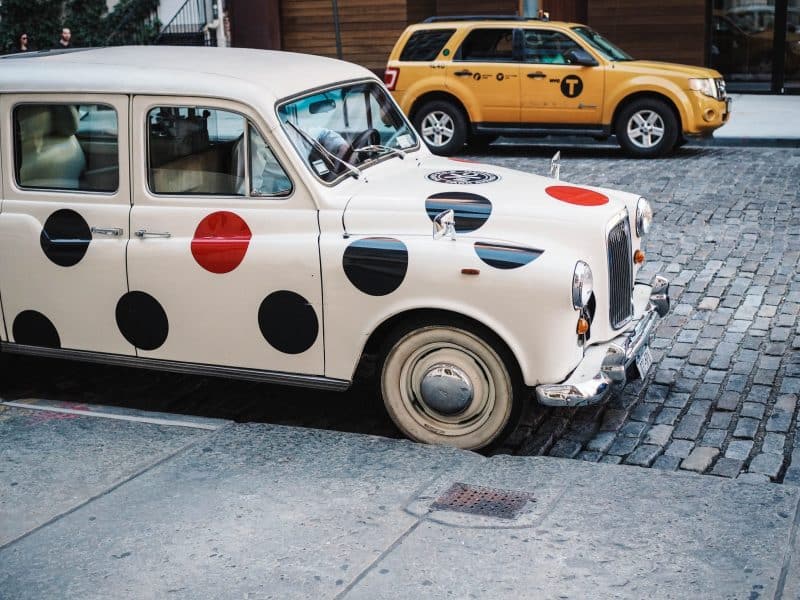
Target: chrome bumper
x=603, y=369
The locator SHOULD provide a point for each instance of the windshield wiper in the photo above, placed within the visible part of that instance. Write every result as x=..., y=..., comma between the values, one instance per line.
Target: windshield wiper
x=354, y=171
x=379, y=147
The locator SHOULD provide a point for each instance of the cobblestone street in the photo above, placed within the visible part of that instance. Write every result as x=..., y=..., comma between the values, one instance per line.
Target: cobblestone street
x=721, y=396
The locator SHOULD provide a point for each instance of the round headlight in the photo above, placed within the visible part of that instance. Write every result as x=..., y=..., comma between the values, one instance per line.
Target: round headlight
x=582, y=285
x=644, y=217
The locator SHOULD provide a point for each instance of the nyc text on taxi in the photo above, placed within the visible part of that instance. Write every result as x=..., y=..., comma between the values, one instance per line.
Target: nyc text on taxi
x=274, y=216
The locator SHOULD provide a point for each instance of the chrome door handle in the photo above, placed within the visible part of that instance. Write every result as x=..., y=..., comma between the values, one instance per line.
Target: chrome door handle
x=115, y=231
x=143, y=233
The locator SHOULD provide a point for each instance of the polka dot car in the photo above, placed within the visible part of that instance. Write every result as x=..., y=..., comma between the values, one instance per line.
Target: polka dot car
x=239, y=237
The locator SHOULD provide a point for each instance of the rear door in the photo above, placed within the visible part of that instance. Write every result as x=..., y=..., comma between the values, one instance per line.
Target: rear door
x=554, y=92
x=485, y=76
x=64, y=220
x=223, y=261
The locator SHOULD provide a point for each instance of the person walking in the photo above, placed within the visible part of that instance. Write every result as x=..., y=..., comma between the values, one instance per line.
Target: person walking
x=65, y=41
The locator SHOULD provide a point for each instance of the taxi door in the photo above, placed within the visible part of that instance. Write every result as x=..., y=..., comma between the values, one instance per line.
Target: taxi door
x=554, y=92
x=223, y=262
x=484, y=75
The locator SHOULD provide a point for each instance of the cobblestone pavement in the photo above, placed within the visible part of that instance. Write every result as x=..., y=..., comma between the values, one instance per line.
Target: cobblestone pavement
x=721, y=396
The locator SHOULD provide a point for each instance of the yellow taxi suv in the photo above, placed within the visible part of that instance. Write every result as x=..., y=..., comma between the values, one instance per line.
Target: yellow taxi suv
x=468, y=80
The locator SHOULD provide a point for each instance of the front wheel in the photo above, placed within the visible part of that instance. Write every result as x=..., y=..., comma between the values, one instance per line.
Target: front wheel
x=450, y=384
x=647, y=128
x=442, y=126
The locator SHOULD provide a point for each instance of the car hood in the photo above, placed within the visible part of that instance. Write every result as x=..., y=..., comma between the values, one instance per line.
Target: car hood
x=665, y=68
x=489, y=202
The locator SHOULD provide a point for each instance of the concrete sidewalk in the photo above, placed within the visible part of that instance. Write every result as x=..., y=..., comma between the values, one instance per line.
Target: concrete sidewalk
x=761, y=120
x=145, y=506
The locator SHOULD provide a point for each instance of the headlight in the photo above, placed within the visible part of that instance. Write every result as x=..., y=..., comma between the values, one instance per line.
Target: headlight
x=582, y=285
x=644, y=217
x=707, y=87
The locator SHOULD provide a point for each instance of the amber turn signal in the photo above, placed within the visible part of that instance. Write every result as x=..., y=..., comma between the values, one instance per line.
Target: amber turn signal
x=583, y=326
x=638, y=257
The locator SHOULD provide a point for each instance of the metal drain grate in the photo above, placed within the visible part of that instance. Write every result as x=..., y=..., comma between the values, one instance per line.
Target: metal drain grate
x=484, y=501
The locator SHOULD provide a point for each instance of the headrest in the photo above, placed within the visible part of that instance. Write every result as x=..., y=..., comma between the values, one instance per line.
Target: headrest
x=64, y=120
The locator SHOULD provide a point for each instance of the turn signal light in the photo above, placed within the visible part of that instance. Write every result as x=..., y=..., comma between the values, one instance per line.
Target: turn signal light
x=638, y=257
x=583, y=326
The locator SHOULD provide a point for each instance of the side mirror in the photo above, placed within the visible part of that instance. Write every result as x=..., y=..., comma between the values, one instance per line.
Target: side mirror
x=580, y=57
x=444, y=224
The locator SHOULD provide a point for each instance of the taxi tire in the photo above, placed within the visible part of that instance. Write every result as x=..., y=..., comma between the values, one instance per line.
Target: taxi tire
x=451, y=112
x=469, y=347
x=667, y=142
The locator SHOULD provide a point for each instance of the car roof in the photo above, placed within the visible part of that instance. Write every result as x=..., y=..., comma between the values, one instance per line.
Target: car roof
x=254, y=77
x=491, y=22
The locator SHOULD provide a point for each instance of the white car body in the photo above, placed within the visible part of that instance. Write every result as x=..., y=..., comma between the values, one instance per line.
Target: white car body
x=325, y=268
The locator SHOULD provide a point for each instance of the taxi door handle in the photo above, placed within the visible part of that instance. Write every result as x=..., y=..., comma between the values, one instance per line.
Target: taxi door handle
x=462, y=73
x=536, y=75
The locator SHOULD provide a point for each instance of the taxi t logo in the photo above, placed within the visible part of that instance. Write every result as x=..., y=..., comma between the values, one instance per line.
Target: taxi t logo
x=571, y=86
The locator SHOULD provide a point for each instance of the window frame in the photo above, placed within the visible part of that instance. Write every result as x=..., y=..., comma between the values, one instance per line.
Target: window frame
x=58, y=101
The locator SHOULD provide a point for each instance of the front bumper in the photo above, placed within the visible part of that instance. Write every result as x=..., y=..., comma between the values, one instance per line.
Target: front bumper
x=603, y=371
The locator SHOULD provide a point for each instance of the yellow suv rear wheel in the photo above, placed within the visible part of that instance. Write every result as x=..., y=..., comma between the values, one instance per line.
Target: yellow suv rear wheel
x=647, y=127
x=442, y=125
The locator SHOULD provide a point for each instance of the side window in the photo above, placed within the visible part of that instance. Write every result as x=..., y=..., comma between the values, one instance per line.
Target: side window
x=66, y=147
x=547, y=47
x=426, y=44
x=195, y=150
x=487, y=45
x=266, y=174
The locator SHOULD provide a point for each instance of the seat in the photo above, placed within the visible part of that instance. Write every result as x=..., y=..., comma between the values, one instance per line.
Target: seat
x=51, y=156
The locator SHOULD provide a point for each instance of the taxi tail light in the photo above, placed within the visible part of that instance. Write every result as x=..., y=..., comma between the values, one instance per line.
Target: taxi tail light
x=390, y=76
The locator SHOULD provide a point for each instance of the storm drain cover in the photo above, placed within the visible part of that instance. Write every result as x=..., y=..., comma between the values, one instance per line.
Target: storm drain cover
x=484, y=501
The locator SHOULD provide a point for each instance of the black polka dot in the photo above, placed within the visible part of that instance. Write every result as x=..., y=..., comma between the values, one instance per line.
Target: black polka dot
x=471, y=210
x=142, y=320
x=32, y=328
x=501, y=256
x=65, y=237
x=288, y=322
x=376, y=265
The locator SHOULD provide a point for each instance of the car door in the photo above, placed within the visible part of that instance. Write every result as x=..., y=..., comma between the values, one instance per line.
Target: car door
x=223, y=263
x=64, y=220
x=484, y=75
x=552, y=91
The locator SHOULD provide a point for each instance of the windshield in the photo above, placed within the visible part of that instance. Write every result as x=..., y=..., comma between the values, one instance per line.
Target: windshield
x=329, y=128
x=601, y=44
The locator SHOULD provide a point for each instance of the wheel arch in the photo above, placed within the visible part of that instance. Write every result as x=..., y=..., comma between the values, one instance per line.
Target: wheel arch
x=442, y=96
x=646, y=95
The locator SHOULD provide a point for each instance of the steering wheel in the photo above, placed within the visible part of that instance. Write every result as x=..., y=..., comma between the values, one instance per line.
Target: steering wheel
x=368, y=137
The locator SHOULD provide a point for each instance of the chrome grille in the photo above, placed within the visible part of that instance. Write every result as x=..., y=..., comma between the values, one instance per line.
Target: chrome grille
x=721, y=90
x=620, y=274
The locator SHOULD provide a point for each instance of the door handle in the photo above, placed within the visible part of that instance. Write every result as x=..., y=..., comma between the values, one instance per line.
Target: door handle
x=536, y=75
x=143, y=233
x=115, y=231
x=463, y=73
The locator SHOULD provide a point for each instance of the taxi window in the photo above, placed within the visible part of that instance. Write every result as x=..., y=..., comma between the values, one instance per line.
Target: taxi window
x=487, y=45
x=66, y=147
x=547, y=47
x=426, y=45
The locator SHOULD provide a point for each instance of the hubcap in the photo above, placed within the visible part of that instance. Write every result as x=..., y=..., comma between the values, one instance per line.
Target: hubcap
x=437, y=128
x=645, y=129
x=446, y=389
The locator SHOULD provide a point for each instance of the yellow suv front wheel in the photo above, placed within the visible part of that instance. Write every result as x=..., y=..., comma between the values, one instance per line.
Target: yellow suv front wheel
x=442, y=125
x=647, y=127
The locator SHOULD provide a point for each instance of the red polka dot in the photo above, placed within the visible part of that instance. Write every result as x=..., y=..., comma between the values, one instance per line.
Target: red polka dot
x=576, y=195
x=220, y=242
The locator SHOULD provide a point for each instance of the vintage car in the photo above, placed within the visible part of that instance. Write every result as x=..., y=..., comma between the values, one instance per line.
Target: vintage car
x=274, y=216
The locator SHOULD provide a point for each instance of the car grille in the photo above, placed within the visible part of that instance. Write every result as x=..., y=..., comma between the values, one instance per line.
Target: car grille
x=620, y=274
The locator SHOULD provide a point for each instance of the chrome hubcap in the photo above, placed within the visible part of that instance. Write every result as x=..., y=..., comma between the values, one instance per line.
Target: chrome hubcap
x=437, y=128
x=446, y=389
x=645, y=129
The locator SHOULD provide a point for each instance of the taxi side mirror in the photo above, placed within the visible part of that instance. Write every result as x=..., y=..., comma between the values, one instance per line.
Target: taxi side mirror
x=579, y=56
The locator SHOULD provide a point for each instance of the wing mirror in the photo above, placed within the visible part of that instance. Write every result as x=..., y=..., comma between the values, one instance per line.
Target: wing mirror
x=580, y=57
x=444, y=224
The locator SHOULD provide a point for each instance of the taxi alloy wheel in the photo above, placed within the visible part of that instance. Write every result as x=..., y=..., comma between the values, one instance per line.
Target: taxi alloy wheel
x=450, y=385
x=647, y=128
x=443, y=127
